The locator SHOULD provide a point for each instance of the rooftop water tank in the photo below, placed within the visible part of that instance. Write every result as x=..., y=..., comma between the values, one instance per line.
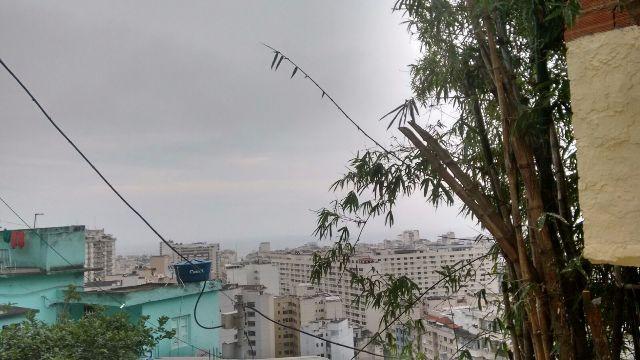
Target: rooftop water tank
x=196, y=271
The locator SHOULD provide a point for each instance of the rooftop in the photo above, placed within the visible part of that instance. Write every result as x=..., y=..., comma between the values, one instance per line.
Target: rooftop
x=138, y=294
x=9, y=311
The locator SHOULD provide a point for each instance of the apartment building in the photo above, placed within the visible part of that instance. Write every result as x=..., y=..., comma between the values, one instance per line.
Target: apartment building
x=409, y=256
x=259, y=273
x=464, y=329
x=255, y=335
x=287, y=312
x=338, y=331
x=197, y=250
x=295, y=269
x=100, y=251
x=422, y=262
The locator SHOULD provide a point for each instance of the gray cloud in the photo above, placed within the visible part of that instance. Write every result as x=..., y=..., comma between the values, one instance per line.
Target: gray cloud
x=176, y=103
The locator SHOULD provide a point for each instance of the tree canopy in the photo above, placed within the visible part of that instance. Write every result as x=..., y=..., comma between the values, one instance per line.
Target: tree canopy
x=94, y=336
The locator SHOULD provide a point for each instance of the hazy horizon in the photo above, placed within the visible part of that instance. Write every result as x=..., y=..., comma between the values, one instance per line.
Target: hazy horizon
x=178, y=107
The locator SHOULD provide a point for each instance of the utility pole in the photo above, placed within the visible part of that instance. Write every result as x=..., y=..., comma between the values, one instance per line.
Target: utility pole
x=242, y=337
x=35, y=218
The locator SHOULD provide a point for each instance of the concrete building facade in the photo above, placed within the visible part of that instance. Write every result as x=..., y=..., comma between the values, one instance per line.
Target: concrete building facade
x=420, y=261
x=287, y=312
x=266, y=274
x=255, y=335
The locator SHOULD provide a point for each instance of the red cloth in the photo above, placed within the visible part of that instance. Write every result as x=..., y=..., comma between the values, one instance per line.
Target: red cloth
x=17, y=239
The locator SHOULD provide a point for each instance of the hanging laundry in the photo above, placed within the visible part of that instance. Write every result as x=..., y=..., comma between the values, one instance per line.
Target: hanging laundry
x=17, y=239
x=6, y=236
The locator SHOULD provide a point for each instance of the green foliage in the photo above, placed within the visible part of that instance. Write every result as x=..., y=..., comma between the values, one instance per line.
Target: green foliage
x=94, y=336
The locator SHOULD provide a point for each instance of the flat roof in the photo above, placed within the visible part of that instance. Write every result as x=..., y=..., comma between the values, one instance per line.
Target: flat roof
x=9, y=311
x=134, y=288
x=37, y=270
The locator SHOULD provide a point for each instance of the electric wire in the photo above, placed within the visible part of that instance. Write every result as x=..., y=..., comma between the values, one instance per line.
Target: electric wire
x=195, y=308
x=95, y=169
x=153, y=229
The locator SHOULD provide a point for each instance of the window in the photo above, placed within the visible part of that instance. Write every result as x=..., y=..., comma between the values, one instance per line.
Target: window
x=251, y=323
x=181, y=325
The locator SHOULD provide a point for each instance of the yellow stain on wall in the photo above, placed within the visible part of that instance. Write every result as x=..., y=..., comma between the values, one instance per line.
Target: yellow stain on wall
x=604, y=70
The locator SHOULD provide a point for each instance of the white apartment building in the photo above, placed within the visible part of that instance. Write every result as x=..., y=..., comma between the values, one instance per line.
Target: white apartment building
x=266, y=274
x=317, y=306
x=100, y=251
x=422, y=262
x=337, y=331
x=295, y=268
x=255, y=335
x=417, y=259
x=197, y=250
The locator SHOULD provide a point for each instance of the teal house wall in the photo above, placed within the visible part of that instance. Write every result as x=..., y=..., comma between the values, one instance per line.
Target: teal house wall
x=173, y=301
x=35, y=276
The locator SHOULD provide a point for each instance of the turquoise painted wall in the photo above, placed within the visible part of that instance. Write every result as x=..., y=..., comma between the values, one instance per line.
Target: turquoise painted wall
x=68, y=241
x=208, y=315
x=173, y=301
x=41, y=292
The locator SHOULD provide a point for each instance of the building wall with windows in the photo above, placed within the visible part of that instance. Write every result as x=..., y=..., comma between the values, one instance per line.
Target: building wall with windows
x=287, y=311
x=420, y=262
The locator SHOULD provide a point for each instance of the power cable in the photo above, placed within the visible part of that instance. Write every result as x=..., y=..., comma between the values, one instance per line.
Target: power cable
x=99, y=173
x=195, y=312
x=95, y=169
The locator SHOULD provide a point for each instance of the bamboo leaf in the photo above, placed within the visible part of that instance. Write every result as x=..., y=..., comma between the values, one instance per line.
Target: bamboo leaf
x=279, y=61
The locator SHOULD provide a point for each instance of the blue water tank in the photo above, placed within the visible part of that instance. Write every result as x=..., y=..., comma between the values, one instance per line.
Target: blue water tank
x=197, y=270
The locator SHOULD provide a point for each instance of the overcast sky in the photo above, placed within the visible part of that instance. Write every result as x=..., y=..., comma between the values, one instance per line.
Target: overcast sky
x=177, y=105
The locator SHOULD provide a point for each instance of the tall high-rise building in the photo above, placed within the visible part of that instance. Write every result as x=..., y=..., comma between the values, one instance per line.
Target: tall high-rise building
x=99, y=253
x=287, y=311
